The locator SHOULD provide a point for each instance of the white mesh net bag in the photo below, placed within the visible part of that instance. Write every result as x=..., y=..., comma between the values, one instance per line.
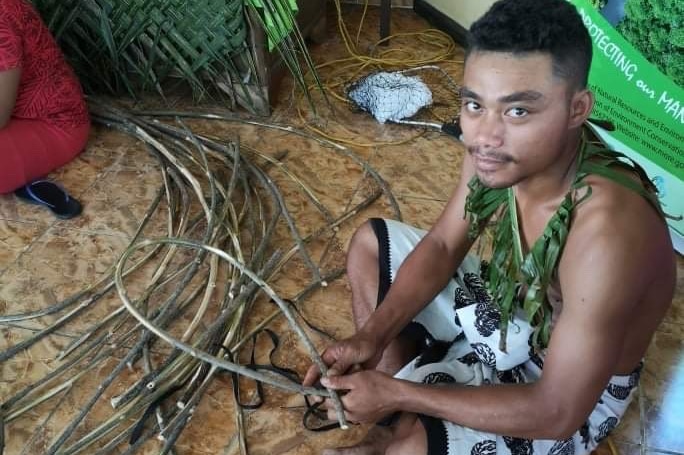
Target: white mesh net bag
x=425, y=96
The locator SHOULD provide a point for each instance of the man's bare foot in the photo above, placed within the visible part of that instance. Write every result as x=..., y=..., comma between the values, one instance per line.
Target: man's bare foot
x=375, y=443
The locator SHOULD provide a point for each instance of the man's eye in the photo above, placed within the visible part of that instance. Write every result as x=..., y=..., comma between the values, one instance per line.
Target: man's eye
x=517, y=112
x=472, y=106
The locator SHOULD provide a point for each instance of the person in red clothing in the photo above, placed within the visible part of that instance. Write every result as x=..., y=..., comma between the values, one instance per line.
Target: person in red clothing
x=44, y=120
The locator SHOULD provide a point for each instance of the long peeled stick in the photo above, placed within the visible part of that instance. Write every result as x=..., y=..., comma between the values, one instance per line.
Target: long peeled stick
x=220, y=362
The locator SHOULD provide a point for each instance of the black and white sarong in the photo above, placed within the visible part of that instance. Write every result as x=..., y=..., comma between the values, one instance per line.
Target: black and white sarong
x=459, y=337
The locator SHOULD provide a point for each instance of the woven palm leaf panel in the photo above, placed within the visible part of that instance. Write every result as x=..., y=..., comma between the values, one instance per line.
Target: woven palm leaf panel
x=138, y=46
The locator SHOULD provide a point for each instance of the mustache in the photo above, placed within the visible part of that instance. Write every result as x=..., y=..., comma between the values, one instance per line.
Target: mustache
x=494, y=155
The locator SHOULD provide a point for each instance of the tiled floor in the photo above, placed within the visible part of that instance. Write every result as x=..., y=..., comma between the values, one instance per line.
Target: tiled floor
x=43, y=261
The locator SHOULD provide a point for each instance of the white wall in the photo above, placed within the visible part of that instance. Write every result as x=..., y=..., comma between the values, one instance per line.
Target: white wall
x=465, y=12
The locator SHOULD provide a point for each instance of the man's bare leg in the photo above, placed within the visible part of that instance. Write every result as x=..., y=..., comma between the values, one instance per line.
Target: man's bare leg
x=406, y=437
x=363, y=272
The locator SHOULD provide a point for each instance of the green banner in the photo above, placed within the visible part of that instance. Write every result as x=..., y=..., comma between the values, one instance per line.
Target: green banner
x=645, y=105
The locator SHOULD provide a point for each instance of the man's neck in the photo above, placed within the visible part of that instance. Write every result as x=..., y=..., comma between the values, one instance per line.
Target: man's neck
x=552, y=183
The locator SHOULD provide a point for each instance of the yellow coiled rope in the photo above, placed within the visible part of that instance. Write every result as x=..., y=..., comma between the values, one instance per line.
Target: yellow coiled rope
x=340, y=72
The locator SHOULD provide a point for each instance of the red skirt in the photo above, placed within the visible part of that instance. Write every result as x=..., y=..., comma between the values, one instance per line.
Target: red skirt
x=31, y=149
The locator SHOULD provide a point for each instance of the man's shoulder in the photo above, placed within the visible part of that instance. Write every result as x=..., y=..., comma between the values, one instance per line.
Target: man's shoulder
x=618, y=263
x=611, y=205
x=616, y=238
x=613, y=216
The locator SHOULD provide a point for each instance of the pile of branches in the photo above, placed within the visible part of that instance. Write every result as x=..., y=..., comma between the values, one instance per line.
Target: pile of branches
x=186, y=324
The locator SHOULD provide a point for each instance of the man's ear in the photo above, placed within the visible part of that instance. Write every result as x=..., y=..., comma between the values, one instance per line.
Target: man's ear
x=581, y=105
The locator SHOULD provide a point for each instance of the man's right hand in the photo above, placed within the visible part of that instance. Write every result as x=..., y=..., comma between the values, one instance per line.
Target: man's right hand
x=360, y=349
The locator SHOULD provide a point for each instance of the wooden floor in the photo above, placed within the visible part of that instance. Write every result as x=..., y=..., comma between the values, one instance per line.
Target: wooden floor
x=43, y=260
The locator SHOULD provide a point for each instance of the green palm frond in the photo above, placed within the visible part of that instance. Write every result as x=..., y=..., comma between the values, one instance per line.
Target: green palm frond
x=275, y=17
x=138, y=46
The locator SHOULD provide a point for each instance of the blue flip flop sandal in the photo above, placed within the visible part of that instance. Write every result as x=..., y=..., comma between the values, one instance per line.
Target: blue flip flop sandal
x=52, y=196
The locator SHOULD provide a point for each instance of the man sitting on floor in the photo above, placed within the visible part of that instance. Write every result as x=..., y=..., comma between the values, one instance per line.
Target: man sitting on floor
x=539, y=348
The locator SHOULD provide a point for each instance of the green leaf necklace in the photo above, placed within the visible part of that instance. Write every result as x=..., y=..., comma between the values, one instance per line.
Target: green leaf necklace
x=519, y=282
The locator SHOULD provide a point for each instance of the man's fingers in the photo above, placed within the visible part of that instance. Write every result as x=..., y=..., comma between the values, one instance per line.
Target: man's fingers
x=338, y=368
x=340, y=356
x=312, y=375
x=332, y=415
x=330, y=355
x=336, y=382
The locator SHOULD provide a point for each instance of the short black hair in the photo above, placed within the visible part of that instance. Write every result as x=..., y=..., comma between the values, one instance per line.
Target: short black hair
x=546, y=26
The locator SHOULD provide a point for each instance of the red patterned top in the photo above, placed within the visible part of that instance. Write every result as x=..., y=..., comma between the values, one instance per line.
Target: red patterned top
x=48, y=89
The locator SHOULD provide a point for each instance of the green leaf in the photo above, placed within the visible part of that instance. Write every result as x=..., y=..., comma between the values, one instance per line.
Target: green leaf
x=509, y=269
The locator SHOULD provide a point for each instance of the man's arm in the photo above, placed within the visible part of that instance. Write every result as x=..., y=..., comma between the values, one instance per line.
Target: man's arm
x=9, y=86
x=602, y=279
x=422, y=275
